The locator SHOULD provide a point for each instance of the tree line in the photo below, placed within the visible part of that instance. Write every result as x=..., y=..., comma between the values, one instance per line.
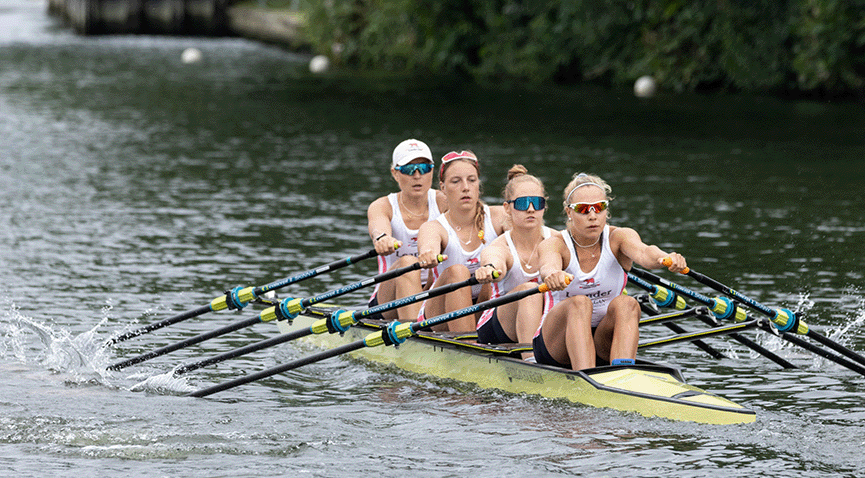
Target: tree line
x=812, y=47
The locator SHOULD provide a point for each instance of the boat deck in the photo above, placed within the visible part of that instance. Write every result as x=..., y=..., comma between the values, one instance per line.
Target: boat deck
x=649, y=389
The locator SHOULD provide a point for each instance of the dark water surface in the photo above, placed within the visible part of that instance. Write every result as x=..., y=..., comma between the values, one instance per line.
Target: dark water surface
x=135, y=187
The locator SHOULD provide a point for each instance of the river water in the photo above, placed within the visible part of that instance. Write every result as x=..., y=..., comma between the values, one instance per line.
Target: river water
x=135, y=187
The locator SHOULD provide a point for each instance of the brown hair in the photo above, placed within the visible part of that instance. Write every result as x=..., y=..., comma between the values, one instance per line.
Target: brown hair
x=479, y=207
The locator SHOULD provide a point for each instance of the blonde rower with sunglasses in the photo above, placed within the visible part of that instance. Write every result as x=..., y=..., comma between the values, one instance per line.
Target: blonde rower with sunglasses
x=395, y=219
x=511, y=262
x=591, y=316
x=460, y=235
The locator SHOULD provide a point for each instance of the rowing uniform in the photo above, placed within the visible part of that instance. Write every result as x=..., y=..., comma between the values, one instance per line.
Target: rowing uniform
x=514, y=277
x=407, y=237
x=457, y=255
x=602, y=284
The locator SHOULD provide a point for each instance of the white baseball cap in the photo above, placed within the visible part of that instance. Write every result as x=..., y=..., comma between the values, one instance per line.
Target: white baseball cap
x=408, y=151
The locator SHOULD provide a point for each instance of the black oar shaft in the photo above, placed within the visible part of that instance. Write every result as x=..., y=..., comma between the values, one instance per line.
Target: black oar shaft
x=772, y=313
x=271, y=342
x=314, y=272
x=165, y=323
x=253, y=292
x=344, y=349
x=835, y=346
x=708, y=320
x=794, y=339
x=750, y=343
x=389, y=336
x=384, y=276
x=681, y=330
x=355, y=316
x=184, y=343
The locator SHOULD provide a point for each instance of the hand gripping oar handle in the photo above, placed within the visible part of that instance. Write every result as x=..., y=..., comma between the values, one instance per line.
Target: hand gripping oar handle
x=395, y=334
x=265, y=316
x=336, y=321
x=784, y=319
x=238, y=297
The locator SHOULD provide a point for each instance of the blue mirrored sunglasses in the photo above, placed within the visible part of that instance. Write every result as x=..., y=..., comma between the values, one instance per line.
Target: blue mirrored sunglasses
x=522, y=203
x=409, y=169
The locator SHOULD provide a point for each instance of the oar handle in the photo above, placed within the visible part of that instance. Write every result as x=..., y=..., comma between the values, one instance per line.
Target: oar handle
x=667, y=262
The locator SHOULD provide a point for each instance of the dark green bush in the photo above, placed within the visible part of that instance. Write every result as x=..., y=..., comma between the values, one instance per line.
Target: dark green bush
x=749, y=45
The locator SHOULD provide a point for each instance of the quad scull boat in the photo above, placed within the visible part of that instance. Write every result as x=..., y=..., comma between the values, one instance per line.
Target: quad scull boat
x=649, y=389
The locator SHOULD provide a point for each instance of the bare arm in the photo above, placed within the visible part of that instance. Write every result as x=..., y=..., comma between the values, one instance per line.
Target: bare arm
x=442, y=201
x=432, y=239
x=554, y=256
x=379, y=215
x=494, y=258
x=628, y=246
x=497, y=216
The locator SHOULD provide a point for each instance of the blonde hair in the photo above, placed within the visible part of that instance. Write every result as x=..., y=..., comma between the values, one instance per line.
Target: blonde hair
x=589, y=180
x=516, y=175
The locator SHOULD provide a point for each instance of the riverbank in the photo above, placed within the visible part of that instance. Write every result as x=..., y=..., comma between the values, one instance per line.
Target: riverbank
x=272, y=25
x=251, y=19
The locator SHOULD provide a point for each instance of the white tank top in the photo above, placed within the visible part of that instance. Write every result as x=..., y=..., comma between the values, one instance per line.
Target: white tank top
x=514, y=277
x=603, y=283
x=457, y=255
x=408, y=237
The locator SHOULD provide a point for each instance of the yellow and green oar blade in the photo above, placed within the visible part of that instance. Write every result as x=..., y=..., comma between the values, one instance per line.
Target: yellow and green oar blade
x=238, y=297
x=337, y=321
x=394, y=334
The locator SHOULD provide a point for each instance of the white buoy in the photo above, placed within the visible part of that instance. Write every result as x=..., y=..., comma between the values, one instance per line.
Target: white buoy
x=191, y=55
x=319, y=64
x=645, y=87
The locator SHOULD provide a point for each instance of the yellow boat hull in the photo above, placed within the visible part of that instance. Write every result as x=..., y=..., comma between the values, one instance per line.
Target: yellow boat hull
x=648, y=389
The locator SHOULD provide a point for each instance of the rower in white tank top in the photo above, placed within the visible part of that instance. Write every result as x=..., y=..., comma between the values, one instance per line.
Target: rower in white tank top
x=407, y=237
x=457, y=255
x=514, y=277
x=603, y=283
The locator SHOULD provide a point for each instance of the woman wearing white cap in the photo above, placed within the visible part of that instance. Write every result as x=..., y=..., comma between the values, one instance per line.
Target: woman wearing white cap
x=460, y=234
x=586, y=314
x=396, y=218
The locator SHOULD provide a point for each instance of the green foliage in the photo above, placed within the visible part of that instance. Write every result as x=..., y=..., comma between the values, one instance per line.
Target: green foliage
x=829, y=53
x=686, y=44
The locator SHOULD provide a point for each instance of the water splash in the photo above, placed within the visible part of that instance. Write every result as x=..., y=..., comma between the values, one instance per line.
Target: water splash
x=164, y=383
x=29, y=341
